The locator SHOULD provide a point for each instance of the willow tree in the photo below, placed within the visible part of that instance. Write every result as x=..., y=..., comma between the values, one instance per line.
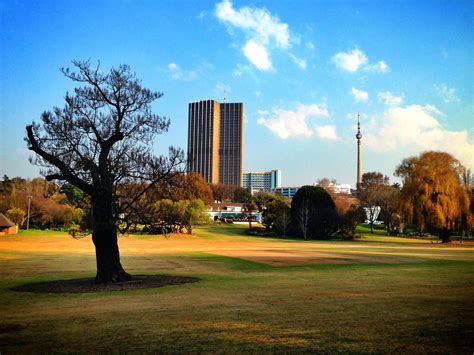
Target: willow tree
x=433, y=195
x=101, y=142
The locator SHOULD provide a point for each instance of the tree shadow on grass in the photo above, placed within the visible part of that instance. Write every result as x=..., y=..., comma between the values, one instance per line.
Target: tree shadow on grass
x=87, y=285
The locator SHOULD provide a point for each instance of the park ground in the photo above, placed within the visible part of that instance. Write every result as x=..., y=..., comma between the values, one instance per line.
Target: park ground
x=374, y=294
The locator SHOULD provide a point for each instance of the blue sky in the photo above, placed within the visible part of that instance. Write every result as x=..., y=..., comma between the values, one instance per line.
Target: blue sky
x=303, y=69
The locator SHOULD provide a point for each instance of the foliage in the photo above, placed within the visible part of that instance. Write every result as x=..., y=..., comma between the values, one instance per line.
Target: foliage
x=189, y=186
x=276, y=216
x=175, y=216
x=229, y=193
x=49, y=207
x=433, y=196
x=313, y=213
x=374, y=192
x=350, y=220
x=16, y=215
x=262, y=199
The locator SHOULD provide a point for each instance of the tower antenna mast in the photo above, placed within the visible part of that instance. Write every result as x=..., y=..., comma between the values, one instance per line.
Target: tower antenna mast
x=359, y=154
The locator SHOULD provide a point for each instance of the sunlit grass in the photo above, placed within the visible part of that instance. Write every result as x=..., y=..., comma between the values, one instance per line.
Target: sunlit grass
x=391, y=297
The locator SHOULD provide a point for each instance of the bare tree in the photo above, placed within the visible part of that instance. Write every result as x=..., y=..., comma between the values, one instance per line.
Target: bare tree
x=101, y=142
x=303, y=217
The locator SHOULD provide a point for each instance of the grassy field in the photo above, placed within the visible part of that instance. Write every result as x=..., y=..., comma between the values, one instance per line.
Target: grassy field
x=375, y=294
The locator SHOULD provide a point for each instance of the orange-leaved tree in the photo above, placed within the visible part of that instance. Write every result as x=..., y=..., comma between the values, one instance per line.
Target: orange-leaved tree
x=433, y=196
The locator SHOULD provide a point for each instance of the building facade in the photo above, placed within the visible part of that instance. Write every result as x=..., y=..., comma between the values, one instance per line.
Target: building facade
x=215, y=141
x=286, y=191
x=231, y=143
x=262, y=181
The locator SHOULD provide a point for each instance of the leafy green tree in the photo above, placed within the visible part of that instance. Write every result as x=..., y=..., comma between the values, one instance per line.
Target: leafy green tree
x=196, y=215
x=262, y=199
x=433, y=195
x=277, y=216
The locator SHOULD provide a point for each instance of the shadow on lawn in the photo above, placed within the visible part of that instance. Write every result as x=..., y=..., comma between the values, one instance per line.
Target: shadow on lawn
x=87, y=285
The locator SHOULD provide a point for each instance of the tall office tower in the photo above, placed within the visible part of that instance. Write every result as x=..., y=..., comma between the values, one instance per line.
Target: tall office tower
x=231, y=144
x=215, y=141
x=203, y=139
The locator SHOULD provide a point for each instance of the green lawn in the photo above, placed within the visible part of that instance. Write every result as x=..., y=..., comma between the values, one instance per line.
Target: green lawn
x=255, y=295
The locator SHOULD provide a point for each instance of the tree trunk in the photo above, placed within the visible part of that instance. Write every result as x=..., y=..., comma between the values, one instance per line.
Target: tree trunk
x=104, y=237
x=445, y=235
x=107, y=254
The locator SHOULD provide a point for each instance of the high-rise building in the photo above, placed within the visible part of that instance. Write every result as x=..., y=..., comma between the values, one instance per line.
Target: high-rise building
x=215, y=141
x=231, y=143
x=262, y=181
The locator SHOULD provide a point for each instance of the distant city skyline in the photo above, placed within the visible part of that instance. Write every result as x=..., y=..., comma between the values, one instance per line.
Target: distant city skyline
x=303, y=69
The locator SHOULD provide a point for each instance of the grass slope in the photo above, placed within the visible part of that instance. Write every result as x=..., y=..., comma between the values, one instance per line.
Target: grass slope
x=256, y=295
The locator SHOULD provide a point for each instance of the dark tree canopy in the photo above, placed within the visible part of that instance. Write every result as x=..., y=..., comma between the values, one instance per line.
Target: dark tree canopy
x=101, y=141
x=313, y=213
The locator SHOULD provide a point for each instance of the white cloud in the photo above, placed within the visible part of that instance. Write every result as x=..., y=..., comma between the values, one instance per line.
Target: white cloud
x=350, y=61
x=293, y=123
x=326, y=132
x=202, y=14
x=299, y=62
x=259, y=22
x=380, y=67
x=179, y=74
x=310, y=45
x=415, y=128
x=257, y=55
x=356, y=59
x=446, y=93
x=360, y=95
x=389, y=99
x=263, y=32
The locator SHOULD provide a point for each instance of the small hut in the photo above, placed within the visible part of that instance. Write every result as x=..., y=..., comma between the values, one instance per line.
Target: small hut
x=6, y=226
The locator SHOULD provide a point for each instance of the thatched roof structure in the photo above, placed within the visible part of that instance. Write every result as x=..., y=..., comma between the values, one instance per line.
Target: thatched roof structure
x=5, y=222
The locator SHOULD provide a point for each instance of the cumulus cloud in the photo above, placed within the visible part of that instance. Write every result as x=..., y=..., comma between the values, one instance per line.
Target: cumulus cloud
x=446, y=93
x=326, y=132
x=257, y=54
x=360, y=95
x=294, y=123
x=416, y=128
x=350, y=61
x=356, y=59
x=179, y=74
x=263, y=32
x=389, y=99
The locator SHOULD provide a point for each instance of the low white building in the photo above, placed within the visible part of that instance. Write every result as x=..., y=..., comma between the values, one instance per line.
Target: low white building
x=232, y=210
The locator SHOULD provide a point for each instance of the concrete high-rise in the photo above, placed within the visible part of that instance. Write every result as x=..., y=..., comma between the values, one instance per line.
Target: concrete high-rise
x=215, y=141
